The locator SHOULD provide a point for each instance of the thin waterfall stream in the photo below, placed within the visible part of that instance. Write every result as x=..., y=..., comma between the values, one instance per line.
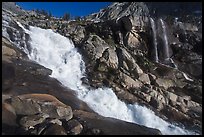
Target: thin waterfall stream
x=155, y=52
x=165, y=41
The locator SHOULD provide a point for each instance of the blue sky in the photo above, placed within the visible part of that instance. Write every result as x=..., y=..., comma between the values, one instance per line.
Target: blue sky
x=59, y=8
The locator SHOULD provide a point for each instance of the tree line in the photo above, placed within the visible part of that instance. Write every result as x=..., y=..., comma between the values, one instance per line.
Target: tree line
x=67, y=16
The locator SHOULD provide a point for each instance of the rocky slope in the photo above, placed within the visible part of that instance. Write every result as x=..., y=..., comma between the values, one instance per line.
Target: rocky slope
x=116, y=44
x=34, y=103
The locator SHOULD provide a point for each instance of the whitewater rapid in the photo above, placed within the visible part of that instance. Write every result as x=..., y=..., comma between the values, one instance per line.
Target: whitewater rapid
x=59, y=54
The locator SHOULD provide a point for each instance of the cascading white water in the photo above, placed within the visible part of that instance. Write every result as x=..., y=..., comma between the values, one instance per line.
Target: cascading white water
x=59, y=54
x=165, y=41
x=153, y=26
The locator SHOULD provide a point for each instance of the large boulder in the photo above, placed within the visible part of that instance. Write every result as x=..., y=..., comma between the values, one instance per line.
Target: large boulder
x=164, y=83
x=130, y=64
x=41, y=103
x=128, y=82
x=94, y=47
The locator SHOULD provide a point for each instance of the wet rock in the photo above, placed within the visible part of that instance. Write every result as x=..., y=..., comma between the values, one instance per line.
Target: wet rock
x=115, y=127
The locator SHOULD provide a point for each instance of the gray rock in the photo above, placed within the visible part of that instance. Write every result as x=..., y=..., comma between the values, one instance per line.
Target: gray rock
x=75, y=128
x=128, y=82
x=41, y=103
x=30, y=121
x=95, y=47
x=119, y=10
x=144, y=78
x=171, y=96
x=112, y=59
x=56, y=121
x=12, y=7
x=19, y=105
x=131, y=63
x=164, y=83
x=156, y=103
x=64, y=112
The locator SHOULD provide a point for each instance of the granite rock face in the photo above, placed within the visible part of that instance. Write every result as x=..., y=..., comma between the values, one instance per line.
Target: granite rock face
x=116, y=45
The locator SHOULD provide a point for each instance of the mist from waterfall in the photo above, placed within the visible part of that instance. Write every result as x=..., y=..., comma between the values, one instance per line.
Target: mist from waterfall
x=58, y=53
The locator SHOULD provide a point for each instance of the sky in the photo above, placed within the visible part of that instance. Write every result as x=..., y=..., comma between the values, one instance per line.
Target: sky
x=59, y=8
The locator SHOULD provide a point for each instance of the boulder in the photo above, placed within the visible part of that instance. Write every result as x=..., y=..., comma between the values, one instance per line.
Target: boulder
x=30, y=121
x=144, y=78
x=41, y=103
x=164, y=83
x=94, y=47
x=8, y=51
x=19, y=105
x=128, y=82
x=112, y=59
x=56, y=121
x=156, y=103
x=171, y=96
x=74, y=127
x=131, y=40
x=131, y=63
x=76, y=32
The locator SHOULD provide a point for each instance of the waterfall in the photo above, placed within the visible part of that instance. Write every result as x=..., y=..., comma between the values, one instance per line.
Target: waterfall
x=51, y=49
x=155, y=52
x=165, y=41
